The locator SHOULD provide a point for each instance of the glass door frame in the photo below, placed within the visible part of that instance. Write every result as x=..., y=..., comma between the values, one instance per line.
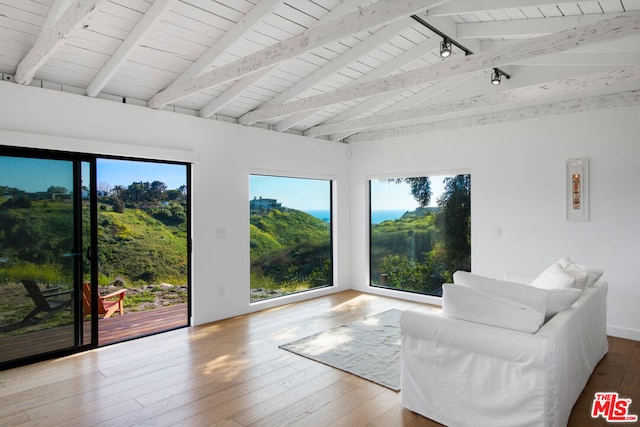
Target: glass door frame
x=80, y=253
x=77, y=252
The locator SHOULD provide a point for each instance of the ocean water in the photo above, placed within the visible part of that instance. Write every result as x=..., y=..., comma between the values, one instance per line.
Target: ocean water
x=377, y=216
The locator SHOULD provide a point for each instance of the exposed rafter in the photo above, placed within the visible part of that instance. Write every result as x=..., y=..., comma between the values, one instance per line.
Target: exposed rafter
x=372, y=16
x=256, y=15
x=444, y=26
x=380, y=36
x=385, y=69
x=425, y=94
x=58, y=7
x=599, y=32
x=465, y=7
x=624, y=99
x=106, y=73
x=543, y=91
x=49, y=41
x=245, y=82
x=518, y=28
x=584, y=59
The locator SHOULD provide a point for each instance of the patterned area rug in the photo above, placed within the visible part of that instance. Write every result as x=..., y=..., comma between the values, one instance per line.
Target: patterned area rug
x=368, y=348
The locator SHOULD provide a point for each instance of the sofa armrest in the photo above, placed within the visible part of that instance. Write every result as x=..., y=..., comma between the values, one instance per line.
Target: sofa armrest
x=455, y=371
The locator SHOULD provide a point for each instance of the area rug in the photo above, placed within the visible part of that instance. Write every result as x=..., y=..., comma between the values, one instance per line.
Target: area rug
x=368, y=348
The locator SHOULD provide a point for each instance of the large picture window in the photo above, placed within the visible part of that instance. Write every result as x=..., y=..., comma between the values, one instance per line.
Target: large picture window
x=420, y=231
x=290, y=235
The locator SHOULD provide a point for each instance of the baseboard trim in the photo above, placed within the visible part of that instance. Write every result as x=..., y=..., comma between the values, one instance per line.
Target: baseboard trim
x=617, y=331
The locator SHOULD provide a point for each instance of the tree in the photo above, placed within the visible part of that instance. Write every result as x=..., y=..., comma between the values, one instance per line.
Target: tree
x=55, y=189
x=118, y=192
x=20, y=201
x=118, y=205
x=157, y=191
x=420, y=188
x=456, y=217
x=137, y=191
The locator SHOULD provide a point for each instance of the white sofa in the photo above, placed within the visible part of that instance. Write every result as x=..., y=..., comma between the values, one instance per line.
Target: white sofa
x=464, y=373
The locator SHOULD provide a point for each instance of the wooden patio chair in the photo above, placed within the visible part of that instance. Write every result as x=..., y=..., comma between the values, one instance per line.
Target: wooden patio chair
x=49, y=301
x=106, y=305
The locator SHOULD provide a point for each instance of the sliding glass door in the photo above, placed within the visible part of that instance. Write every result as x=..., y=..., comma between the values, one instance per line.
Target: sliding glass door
x=93, y=251
x=143, y=257
x=45, y=231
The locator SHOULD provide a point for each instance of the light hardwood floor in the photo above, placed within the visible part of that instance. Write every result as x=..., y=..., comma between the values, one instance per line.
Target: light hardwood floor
x=232, y=373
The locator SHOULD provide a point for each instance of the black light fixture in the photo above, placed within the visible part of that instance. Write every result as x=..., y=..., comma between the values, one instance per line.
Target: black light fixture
x=495, y=77
x=445, y=48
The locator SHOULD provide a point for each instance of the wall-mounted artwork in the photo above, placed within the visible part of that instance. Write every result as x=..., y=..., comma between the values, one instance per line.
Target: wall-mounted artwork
x=578, y=190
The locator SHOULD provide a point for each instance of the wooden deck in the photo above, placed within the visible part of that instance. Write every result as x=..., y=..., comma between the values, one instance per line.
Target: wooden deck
x=134, y=325
x=232, y=373
x=111, y=330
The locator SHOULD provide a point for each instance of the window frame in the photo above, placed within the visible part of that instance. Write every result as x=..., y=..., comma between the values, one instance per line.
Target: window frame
x=368, y=180
x=332, y=181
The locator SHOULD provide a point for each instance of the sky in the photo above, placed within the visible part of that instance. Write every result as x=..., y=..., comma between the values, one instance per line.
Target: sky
x=32, y=175
x=392, y=196
x=296, y=193
x=312, y=194
x=125, y=172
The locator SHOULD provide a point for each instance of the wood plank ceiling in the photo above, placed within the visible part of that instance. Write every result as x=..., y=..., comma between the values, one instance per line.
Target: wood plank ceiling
x=350, y=70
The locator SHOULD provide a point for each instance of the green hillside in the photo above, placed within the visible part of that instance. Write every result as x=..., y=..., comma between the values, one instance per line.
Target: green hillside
x=290, y=251
x=136, y=246
x=133, y=245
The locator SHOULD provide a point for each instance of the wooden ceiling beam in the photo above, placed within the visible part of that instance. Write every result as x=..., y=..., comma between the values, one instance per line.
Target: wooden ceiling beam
x=50, y=40
x=617, y=100
x=519, y=28
x=372, y=16
x=383, y=70
x=379, y=37
x=111, y=67
x=257, y=14
x=247, y=81
x=465, y=7
x=600, y=32
x=562, y=87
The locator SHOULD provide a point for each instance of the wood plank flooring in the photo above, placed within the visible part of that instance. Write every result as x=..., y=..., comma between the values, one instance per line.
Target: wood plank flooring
x=232, y=373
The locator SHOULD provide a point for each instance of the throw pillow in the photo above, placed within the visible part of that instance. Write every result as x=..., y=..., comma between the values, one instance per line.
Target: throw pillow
x=593, y=274
x=465, y=303
x=559, y=299
x=554, y=277
x=575, y=271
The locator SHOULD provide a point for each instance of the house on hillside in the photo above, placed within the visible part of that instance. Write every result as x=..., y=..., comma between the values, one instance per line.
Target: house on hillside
x=260, y=205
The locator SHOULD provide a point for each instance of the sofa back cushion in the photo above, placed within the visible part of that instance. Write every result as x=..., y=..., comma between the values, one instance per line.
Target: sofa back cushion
x=466, y=303
x=533, y=297
x=547, y=301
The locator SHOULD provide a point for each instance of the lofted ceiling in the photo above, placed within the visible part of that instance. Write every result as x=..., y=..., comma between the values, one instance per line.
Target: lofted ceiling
x=350, y=70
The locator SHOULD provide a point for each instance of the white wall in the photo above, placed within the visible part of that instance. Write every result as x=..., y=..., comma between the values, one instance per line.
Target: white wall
x=225, y=156
x=518, y=186
x=518, y=191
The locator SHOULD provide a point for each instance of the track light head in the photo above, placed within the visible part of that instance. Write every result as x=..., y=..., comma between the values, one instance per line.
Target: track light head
x=445, y=48
x=495, y=77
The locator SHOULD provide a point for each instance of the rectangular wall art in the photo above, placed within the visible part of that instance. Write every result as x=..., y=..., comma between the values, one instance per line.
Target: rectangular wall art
x=578, y=190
